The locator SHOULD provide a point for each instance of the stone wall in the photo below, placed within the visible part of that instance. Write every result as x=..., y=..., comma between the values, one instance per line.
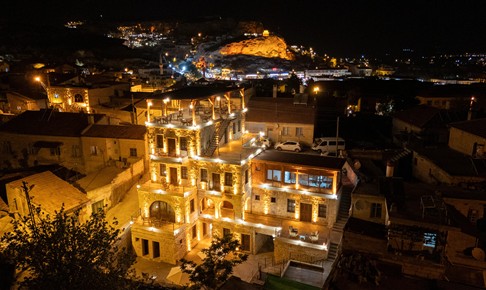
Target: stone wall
x=284, y=251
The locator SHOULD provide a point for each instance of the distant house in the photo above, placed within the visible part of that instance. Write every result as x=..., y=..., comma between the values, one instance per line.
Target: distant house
x=16, y=103
x=455, y=97
x=461, y=162
x=113, y=144
x=425, y=124
x=404, y=225
x=469, y=137
x=45, y=137
x=48, y=191
x=282, y=119
x=82, y=94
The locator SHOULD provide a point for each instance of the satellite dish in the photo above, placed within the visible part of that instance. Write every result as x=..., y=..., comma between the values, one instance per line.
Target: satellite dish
x=478, y=254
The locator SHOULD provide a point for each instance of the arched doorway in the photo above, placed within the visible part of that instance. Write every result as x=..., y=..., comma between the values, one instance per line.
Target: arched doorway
x=227, y=210
x=162, y=211
x=207, y=206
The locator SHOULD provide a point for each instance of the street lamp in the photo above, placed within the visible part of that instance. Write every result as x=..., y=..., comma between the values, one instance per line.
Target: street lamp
x=45, y=87
x=166, y=100
x=316, y=91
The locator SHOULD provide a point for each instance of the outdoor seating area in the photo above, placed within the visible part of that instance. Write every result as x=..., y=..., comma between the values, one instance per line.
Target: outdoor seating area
x=293, y=232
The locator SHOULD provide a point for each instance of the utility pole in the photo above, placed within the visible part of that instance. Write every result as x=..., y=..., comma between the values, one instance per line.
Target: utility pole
x=337, y=135
x=26, y=189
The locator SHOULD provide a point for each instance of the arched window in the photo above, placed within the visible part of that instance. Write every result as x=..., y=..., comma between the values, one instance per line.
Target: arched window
x=162, y=211
x=78, y=98
x=227, y=205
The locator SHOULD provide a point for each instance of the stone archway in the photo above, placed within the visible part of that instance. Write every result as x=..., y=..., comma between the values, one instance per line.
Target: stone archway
x=162, y=211
x=227, y=210
x=207, y=206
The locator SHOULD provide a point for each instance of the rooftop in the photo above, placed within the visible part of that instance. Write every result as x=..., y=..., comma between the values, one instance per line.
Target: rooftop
x=302, y=159
x=476, y=127
x=135, y=132
x=49, y=123
x=456, y=163
x=422, y=116
x=51, y=192
x=282, y=110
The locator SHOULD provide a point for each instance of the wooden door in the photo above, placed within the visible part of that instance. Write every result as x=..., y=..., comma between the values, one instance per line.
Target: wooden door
x=216, y=182
x=173, y=175
x=305, y=212
x=171, y=146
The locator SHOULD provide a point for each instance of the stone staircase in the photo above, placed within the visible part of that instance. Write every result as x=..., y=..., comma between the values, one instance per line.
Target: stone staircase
x=343, y=213
x=214, y=143
x=332, y=254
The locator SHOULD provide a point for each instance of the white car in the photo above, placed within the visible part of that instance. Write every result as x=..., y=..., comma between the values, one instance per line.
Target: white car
x=288, y=146
x=266, y=142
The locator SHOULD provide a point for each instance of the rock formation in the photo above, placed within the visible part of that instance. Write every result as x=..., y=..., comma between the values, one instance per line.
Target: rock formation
x=269, y=47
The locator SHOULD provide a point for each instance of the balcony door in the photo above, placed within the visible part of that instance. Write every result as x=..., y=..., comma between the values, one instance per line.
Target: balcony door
x=216, y=182
x=305, y=212
x=171, y=144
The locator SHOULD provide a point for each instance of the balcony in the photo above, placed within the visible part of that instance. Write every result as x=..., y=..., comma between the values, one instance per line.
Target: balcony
x=157, y=226
x=188, y=118
x=183, y=191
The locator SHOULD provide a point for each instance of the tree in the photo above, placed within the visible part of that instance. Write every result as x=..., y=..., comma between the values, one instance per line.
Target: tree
x=218, y=264
x=58, y=252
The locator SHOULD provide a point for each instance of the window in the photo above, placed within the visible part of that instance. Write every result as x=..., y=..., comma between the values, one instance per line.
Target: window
x=472, y=215
x=156, y=248
x=299, y=131
x=246, y=176
x=133, y=152
x=204, y=175
x=191, y=205
x=234, y=128
x=183, y=172
x=78, y=98
x=228, y=179
x=375, y=210
x=97, y=206
x=93, y=150
x=290, y=205
x=273, y=199
x=322, y=211
x=239, y=125
x=159, y=140
x=257, y=197
x=289, y=177
x=274, y=174
x=285, y=131
x=76, y=151
x=315, y=180
x=183, y=143
x=145, y=247
x=7, y=147
x=162, y=170
x=194, y=232
x=226, y=232
x=55, y=151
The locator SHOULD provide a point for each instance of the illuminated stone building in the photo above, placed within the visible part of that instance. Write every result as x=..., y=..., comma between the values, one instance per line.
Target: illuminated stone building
x=201, y=167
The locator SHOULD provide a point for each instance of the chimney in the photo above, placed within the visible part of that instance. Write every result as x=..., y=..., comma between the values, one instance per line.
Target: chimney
x=390, y=166
x=91, y=119
x=274, y=91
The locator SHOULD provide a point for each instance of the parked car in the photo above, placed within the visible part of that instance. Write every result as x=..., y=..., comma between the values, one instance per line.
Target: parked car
x=328, y=144
x=266, y=142
x=288, y=146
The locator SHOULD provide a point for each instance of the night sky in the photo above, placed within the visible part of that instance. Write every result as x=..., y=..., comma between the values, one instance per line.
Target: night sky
x=338, y=27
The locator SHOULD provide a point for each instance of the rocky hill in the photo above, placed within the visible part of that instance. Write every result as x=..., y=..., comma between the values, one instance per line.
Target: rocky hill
x=268, y=47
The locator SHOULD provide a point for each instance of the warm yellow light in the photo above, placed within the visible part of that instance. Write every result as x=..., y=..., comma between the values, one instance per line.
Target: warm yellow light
x=316, y=90
x=37, y=79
